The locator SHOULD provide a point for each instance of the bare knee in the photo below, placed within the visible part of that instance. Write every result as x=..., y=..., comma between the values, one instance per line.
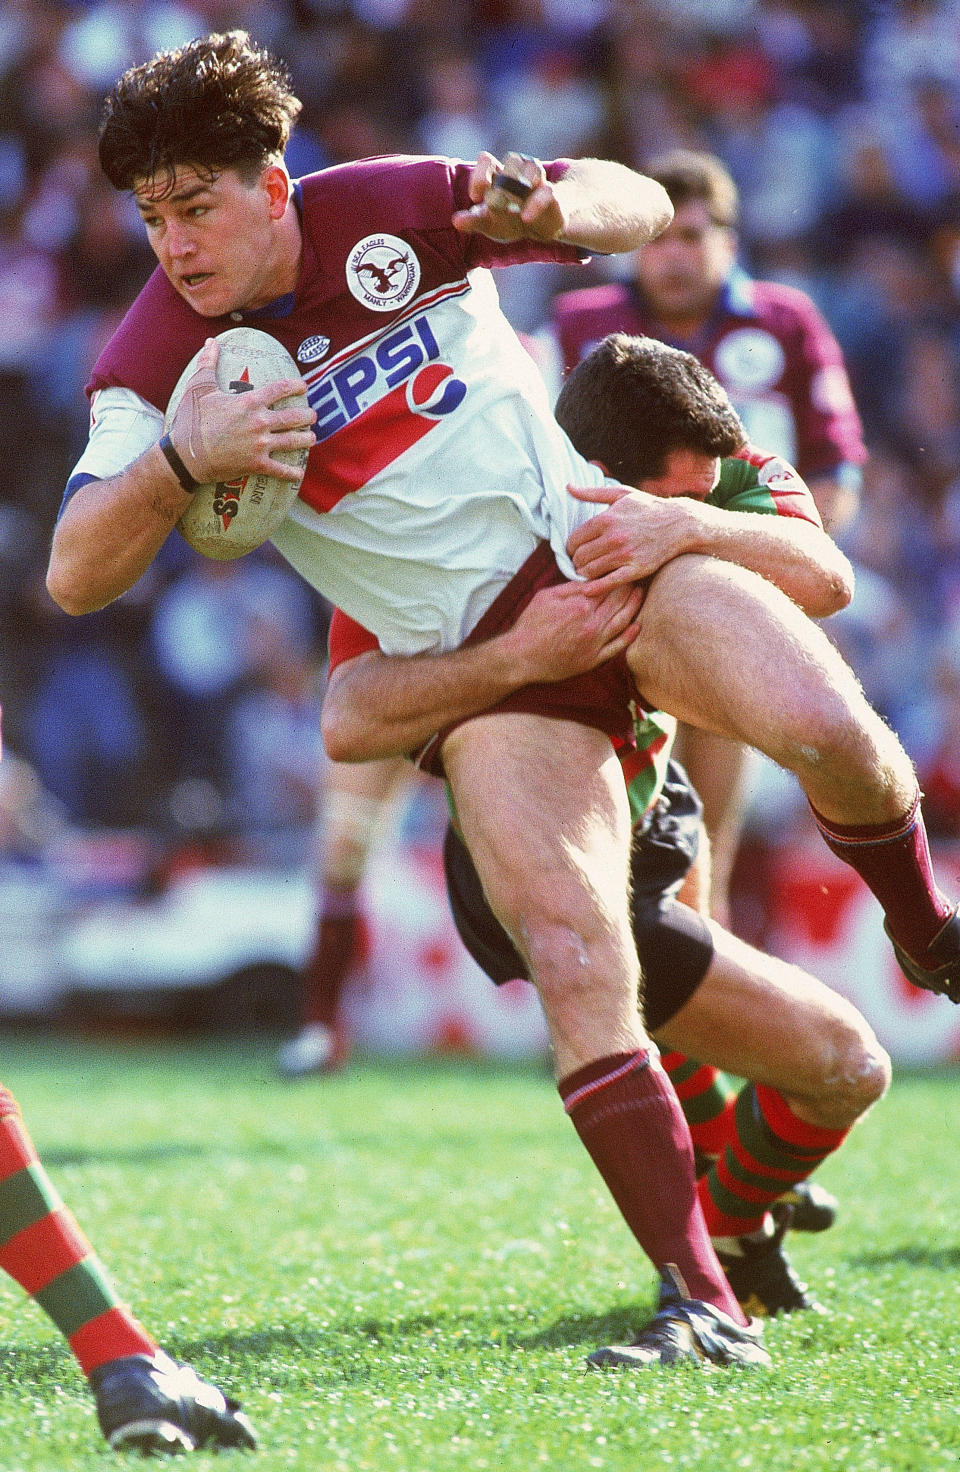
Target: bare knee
x=854, y=1074
x=587, y=982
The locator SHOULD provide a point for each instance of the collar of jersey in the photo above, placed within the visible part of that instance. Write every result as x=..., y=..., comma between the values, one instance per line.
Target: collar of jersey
x=736, y=294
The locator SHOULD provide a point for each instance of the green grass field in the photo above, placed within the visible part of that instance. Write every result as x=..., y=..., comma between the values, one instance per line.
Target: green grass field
x=404, y=1267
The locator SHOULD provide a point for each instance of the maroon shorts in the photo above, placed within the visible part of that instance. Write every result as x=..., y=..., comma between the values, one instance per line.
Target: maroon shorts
x=600, y=698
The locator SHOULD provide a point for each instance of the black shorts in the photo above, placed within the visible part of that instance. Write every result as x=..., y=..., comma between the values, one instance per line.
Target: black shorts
x=673, y=942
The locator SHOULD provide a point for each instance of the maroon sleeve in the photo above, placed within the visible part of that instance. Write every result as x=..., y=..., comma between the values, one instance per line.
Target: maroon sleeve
x=481, y=251
x=156, y=338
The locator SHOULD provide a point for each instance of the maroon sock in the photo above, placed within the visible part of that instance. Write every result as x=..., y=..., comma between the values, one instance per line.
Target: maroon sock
x=626, y=1113
x=334, y=952
x=893, y=860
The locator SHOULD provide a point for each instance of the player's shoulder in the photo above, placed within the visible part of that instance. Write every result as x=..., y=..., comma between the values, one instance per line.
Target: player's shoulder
x=402, y=183
x=591, y=300
x=776, y=302
x=755, y=479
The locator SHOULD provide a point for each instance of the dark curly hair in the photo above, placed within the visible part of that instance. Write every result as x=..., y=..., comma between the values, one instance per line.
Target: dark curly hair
x=219, y=102
x=633, y=400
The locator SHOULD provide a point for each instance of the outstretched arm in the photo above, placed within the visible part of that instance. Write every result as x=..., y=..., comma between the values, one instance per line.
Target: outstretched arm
x=377, y=706
x=638, y=533
x=597, y=205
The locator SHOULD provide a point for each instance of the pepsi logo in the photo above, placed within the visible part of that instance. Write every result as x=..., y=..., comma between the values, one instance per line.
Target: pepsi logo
x=434, y=390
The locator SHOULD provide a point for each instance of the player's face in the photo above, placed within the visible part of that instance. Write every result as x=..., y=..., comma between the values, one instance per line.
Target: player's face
x=220, y=240
x=688, y=473
x=682, y=270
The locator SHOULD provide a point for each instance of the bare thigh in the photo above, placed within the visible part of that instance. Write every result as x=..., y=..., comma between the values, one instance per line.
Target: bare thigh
x=542, y=807
x=723, y=649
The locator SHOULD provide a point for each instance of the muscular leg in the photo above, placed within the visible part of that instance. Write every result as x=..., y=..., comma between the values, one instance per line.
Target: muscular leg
x=766, y=1020
x=723, y=649
x=543, y=808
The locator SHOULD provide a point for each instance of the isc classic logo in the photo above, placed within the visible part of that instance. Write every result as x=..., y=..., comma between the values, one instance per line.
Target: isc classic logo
x=312, y=349
x=382, y=272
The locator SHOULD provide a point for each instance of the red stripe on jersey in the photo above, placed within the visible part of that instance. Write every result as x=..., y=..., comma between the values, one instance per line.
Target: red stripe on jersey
x=362, y=449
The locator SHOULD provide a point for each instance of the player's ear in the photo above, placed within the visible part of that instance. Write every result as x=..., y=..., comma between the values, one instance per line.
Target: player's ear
x=600, y=466
x=276, y=182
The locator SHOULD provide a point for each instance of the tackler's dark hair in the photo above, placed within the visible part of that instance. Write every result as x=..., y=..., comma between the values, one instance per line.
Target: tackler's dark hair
x=633, y=400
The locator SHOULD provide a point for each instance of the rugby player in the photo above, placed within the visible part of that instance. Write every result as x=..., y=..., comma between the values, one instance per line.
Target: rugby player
x=433, y=503
x=814, y=1063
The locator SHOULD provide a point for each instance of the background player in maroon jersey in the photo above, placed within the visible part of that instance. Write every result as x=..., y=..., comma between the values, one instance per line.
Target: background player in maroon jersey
x=766, y=343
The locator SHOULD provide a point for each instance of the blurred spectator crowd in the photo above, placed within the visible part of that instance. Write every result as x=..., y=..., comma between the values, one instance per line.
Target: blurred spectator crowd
x=190, y=706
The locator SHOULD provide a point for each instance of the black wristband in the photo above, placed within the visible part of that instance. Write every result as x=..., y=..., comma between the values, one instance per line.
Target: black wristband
x=177, y=466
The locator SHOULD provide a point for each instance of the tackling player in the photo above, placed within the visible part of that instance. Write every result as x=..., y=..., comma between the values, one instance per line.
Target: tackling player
x=774, y=353
x=814, y=1063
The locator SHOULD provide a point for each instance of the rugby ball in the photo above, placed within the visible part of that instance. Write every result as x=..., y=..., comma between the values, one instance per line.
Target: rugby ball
x=233, y=517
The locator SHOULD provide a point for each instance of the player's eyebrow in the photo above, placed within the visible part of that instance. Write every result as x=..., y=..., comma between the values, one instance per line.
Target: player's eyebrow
x=175, y=196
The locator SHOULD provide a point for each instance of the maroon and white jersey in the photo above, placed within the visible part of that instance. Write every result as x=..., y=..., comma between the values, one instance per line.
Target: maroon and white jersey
x=438, y=465
x=767, y=344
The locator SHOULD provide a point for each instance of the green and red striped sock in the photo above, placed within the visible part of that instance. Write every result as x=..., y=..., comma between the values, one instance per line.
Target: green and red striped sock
x=769, y=1150
x=43, y=1249
x=707, y=1099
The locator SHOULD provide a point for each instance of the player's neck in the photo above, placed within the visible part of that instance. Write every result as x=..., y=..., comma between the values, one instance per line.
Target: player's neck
x=283, y=274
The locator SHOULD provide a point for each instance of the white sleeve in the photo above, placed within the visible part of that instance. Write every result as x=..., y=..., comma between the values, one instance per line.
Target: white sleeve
x=122, y=426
